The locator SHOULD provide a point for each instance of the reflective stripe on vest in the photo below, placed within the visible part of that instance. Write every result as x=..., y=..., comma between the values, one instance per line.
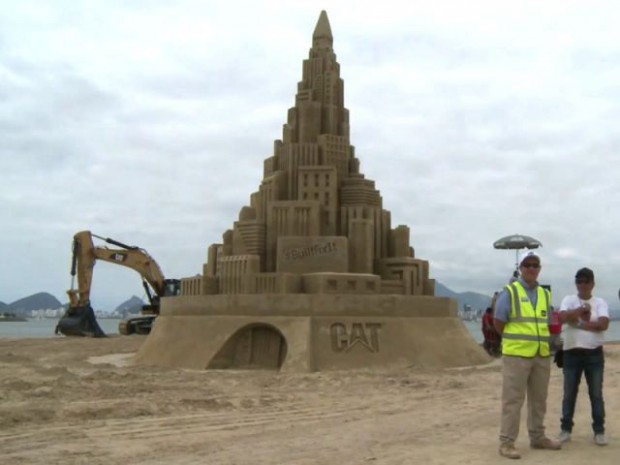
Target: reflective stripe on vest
x=526, y=333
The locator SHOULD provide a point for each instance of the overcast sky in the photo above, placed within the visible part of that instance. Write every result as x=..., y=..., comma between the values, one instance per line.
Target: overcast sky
x=148, y=122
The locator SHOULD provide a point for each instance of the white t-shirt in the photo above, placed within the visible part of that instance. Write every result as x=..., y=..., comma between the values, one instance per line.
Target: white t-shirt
x=575, y=337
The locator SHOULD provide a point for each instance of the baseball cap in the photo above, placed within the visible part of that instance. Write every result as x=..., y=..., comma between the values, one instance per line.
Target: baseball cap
x=528, y=254
x=585, y=273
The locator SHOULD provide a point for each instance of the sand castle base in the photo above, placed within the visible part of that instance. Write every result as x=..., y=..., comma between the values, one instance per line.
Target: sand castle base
x=303, y=333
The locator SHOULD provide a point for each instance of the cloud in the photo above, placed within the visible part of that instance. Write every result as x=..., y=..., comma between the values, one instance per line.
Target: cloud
x=149, y=123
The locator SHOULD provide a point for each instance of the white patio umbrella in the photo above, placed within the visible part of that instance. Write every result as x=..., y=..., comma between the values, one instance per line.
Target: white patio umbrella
x=517, y=242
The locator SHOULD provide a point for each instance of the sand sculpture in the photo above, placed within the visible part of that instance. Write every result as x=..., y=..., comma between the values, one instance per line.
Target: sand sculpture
x=312, y=276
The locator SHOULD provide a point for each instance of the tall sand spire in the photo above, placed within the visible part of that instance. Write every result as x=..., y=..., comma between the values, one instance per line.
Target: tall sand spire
x=323, y=29
x=312, y=275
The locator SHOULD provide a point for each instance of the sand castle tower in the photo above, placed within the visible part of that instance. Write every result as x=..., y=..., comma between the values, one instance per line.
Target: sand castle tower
x=312, y=275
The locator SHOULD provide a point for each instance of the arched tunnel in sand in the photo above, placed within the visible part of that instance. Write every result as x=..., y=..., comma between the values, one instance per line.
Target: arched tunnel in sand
x=312, y=275
x=254, y=346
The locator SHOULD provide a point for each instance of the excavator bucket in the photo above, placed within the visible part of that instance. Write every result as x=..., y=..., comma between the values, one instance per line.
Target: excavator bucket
x=79, y=321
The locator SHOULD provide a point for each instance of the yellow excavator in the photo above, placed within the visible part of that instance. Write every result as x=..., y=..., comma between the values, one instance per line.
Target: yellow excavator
x=79, y=319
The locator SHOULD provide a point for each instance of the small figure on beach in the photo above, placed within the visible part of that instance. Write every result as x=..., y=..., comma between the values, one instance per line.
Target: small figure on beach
x=513, y=277
x=522, y=318
x=586, y=318
x=492, y=340
x=555, y=328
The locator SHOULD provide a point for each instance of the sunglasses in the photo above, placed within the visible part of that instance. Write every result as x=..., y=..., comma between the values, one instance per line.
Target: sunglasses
x=582, y=281
x=531, y=265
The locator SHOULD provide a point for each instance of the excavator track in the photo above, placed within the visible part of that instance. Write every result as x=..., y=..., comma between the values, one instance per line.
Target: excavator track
x=136, y=325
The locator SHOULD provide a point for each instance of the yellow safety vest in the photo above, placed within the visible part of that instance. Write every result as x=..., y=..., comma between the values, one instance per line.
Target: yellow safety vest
x=526, y=333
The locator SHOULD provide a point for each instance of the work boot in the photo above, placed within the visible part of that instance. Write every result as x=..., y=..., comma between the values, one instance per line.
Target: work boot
x=546, y=443
x=507, y=449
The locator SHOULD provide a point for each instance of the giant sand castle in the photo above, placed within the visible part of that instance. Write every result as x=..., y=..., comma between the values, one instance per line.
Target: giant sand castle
x=312, y=275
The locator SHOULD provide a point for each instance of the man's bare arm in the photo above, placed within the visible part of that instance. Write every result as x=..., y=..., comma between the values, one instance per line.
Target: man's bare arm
x=572, y=316
x=600, y=325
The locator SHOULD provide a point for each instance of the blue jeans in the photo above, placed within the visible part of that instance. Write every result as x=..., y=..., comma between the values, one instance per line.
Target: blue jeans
x=591, y=363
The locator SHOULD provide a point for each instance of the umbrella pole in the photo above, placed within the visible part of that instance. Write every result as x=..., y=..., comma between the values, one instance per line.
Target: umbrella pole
x=517, y=259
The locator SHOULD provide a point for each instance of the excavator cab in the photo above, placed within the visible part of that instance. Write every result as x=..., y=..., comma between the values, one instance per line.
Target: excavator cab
x=172, y=287
x=142, y=324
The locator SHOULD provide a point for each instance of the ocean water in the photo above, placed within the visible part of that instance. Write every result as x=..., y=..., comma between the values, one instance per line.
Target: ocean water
x=612, y=334
x=45, y=328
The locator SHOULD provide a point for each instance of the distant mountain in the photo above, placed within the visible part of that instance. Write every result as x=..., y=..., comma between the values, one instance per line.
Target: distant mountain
x=480, y=301
x=133, y=305
x=473, y=299
x=38, y=301
x=44, y=300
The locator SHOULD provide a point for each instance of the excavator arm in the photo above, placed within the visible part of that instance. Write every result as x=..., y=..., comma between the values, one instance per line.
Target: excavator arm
x=79, y=318
x=86, y=254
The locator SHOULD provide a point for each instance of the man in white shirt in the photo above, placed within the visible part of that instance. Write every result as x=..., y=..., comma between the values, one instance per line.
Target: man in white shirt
x=586, y=318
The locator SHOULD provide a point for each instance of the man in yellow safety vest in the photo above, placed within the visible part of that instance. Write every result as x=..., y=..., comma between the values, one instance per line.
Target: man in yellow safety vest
x=522, y=317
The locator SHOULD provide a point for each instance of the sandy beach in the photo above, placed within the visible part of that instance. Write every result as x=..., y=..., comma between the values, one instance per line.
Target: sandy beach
x=81, y=401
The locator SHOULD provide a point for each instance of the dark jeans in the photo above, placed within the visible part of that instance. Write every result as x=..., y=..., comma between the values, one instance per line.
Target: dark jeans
x=592, y=364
